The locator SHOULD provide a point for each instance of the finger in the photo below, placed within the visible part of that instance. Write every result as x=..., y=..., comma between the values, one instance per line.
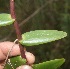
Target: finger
x=1, y=64
x=24, y=67
x=5, y=47
x=1, y=67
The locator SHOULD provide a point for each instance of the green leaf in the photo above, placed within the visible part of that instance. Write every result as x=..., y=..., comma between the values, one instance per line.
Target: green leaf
x=41, y=36
x=15, y=62
x=5, y=19
x=52, y=64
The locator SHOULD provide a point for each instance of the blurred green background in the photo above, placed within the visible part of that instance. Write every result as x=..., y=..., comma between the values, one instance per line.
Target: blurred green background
x=37, y=15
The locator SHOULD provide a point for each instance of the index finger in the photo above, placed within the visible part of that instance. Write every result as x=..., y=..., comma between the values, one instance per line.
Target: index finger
x=5, y=47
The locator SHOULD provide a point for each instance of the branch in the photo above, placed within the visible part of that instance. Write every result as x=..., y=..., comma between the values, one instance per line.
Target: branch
x=16, y=26
x=13, y=15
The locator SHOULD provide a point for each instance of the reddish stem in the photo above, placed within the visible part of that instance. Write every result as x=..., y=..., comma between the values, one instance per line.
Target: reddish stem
x=16, y=26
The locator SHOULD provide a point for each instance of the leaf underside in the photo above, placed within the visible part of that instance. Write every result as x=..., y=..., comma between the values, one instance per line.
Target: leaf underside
x=5, y=19
x=41, y=36
x=15, y=62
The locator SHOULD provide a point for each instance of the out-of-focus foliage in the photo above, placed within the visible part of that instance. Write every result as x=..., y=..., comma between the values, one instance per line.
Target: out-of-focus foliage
x=37, y=15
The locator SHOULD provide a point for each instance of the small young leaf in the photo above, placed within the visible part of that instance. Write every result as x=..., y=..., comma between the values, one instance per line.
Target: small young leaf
x=52, y=64
x=41, y=36
x=5, y=19
x=15, y=62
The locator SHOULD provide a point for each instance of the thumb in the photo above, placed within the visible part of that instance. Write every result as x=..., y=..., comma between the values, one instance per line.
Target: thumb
x=24, y=67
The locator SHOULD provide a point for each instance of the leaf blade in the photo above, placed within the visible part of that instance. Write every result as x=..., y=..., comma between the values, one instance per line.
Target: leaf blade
x=52, y=64
x=41, y=36
x=5, y=19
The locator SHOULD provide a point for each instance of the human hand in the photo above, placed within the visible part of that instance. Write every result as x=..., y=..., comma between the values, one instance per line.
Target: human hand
x=4, y=49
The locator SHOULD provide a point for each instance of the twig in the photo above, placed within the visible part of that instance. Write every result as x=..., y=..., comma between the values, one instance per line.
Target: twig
x=13, y=15
x=16, y=26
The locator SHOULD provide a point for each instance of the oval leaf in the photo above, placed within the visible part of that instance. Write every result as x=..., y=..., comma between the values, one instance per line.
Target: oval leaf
x=41, y=36
x=15, y=62
x=5, y=19
x=52, y=64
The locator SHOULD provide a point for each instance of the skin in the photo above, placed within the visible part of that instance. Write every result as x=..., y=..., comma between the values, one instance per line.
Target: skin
x=4, y=48
x=25, y=67
x=30, y=58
